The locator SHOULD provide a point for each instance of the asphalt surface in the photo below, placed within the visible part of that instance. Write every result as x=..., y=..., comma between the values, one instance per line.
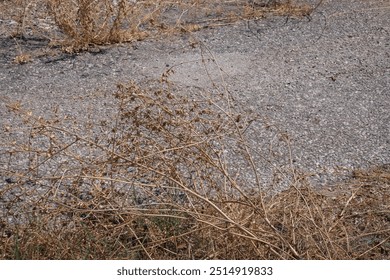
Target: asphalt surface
x=323, y=80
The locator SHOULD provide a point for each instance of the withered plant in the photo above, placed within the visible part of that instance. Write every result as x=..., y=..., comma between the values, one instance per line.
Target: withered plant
x=77, y=25
x=170, y=174
x=161, y=181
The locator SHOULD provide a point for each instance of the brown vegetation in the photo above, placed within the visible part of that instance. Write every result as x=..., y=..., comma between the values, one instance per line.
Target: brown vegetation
x=77, y=25
x=171, y=176
x=161, y=184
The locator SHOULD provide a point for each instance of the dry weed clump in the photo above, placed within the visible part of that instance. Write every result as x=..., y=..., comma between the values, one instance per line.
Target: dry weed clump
x=159, y=181
x=76, y=25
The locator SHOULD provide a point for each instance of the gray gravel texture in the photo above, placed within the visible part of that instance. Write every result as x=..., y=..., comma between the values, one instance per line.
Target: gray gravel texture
x=323, y=80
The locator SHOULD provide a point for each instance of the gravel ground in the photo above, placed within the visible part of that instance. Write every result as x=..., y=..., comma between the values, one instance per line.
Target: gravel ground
x=323, y=80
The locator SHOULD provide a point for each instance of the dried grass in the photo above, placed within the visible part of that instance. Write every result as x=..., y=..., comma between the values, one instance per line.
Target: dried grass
x=78, y=25
x=160, y=180
x=160, y=183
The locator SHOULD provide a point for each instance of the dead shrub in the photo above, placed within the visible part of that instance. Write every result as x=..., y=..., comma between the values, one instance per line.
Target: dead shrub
x=171, y=175
x=161, y=182
x=76, y=25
